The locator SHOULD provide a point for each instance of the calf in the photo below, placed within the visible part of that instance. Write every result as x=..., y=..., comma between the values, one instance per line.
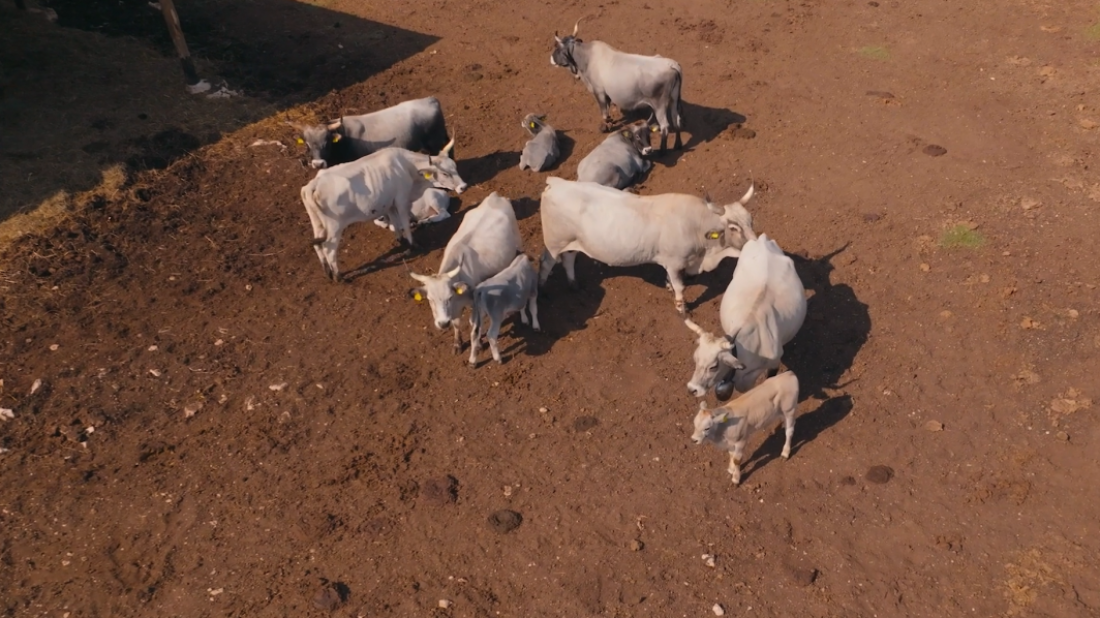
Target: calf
x=376, y=185
x=484, y=244
x=416, y=125
x=729, y=426
x=498, y=297
x=541, y=152
x=617, y=162
x=429, y=205
x=629, y=81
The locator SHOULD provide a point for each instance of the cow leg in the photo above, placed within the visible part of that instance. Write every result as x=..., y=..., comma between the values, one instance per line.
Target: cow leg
x=677, y=288
x=533, y=307
x=329, y=249
x=523, y=314
x=475, y=343
x=546, y=264
x=458, y=337
x=494, y=332
x=735, y=461
x=605, y=112
x=569, y=260
x=788, y=425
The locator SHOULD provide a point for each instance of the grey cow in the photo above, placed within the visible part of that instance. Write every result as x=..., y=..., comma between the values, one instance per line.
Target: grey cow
x=496, y=298
x=416, y=125
x=541, y=151
x=629, y=81
x=617, y=162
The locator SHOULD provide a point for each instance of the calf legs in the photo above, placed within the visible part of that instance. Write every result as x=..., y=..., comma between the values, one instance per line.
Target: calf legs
x=677, y=284
x=736, y=455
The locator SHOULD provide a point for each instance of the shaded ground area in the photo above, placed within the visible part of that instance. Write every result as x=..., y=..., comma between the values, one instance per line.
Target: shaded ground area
x=203, y=425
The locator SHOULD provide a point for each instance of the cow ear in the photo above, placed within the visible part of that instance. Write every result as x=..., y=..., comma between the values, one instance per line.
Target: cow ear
x=626, y=133
x=335, y=137
x=416, y=294
x=300, y=141
x=721, y=418
x=715, y=208
x=460, y=288
x=730, y=360
x=427, y=174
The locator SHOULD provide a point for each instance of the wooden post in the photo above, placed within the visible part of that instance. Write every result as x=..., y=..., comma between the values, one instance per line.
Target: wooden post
x=168, y=7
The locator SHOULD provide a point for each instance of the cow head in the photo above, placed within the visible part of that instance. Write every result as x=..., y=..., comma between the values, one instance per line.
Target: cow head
x=444, y=293
x=708, y=425
x=736, y=218
x=319, y=139
x=637, y=134
x=442, y=171
x=562, y=56
x=534, y=123
x=714, y=360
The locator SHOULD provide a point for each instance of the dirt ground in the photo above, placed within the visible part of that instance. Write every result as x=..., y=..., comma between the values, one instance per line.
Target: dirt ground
x=217, y=430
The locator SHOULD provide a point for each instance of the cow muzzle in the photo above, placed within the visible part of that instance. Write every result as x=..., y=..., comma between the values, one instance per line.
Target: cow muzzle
x=647, y=150
x=318, y=164
x=460, y=188
x=696, y=390
x=441, y=324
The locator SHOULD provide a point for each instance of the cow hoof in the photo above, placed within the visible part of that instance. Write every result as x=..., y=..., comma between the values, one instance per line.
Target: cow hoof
x=456, y=348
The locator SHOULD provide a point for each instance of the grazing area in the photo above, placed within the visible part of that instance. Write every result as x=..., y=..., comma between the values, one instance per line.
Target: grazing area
x=196, y=421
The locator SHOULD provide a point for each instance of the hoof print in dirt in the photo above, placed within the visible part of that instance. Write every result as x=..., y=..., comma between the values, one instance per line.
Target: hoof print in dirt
x=933, y=150
x=331, y=595
x=880, y=475
x=505, y=521
x=440, y=491
x=584, y=423
x=802, y=576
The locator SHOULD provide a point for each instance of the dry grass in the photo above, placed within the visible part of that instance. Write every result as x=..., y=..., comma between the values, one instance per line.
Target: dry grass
x=56, y=208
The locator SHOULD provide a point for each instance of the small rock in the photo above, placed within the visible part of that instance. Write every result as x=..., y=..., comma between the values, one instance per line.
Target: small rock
x=6, y=414
x=192, y=409
x=1063, y=436
x=718, y=611
x=933, y=150
x=880, y=475
x=440, y=490
x=327, y=598
x=984, y=278
x=933, y=426
x=53, y=348
x=1029, y=324
x=507, y=491
x=219, y=342
x=278, y=387
x=1073, y=314
x=155, y=373
x=925, y=268
x=37, y=385
x=543, y=410
x=444, y=604
x=803, y=576
x=945, y=314
x=1087, y=124
x=152, y=348
x=505, y=520
x=214, y=591
x=636, y=545
x=1028, y=203
x=708, y=559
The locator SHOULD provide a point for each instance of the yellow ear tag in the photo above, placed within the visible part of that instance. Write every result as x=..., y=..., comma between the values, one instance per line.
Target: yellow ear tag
x=458, y=291
x=335, y=138
x=300, y=140
x=417, y=297
x=626, y=133
x=654, y=129
x=713, y=235
x=532, y=125
x=427, y=175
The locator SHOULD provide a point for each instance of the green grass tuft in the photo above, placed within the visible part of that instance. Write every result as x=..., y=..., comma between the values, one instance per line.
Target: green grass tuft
x=1093, y=32
x=875, y=52
x=961, y=236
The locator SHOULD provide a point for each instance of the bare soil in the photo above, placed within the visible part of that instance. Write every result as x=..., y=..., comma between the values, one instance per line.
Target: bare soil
x=219, y=430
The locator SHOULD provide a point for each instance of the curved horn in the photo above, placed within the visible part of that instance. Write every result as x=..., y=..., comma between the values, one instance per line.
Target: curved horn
x=449, y=147
x=420, y=278
x=748, y=194
x=695, y=328
x=576, y=26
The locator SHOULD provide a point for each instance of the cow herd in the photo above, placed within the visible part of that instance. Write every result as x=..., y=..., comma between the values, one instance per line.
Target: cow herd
x=395, y=166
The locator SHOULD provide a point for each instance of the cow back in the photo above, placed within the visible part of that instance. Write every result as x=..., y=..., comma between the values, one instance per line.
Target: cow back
x=485, y=242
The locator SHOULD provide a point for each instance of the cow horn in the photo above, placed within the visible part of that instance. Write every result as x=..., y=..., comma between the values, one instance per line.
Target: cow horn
x=420, y=278
x=451, y=274
x=449, y=147
x=703, y=406
x=748, y=194
x=576, y=27
x=695, y=328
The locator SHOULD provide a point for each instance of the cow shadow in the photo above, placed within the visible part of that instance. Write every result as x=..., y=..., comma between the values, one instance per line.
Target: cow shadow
x=702, y=124
x=806, y=429
x=482, y=169
x=525, y=207
x=428, y=238
x=836, y=328
x=566, y=145
x=564, y=310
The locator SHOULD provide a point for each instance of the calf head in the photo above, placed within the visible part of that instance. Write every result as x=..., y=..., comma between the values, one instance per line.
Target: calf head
x=736, y=218
x=637, y=135
x=534, y=123
x=708, y=424
x=562, y=56
x=442, y=171
x=714, y=360
x=444, y=293
x=321, y=140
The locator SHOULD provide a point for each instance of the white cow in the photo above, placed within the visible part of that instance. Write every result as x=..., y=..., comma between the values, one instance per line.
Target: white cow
x=682, y=233
x=762, y=310
x=510, y=291
x=376, y=185
x=429, y=205
x=484, y=244
x=729, y=426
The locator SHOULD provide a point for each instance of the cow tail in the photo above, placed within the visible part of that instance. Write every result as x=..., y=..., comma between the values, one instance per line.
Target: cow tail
x=314, y=212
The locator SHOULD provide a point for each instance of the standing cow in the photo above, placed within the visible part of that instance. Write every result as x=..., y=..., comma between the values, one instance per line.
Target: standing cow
x=682, y=233
x=617, y=162
x=541, y=151
x=376, y=185
x=416, y=125
x=510, y=291
x=761, y=311
x=630, y=81
x=483, y=245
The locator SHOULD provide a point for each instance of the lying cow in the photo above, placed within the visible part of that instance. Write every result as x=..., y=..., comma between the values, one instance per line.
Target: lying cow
x=682, y=233
x=416, y=125
x=762, y=310
x=729, y=426
x=429, y=205
x=376, y=185
x=541, y=151
x=617, y=162
x=509, y=291
x=629, y=81
x=484, y=244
